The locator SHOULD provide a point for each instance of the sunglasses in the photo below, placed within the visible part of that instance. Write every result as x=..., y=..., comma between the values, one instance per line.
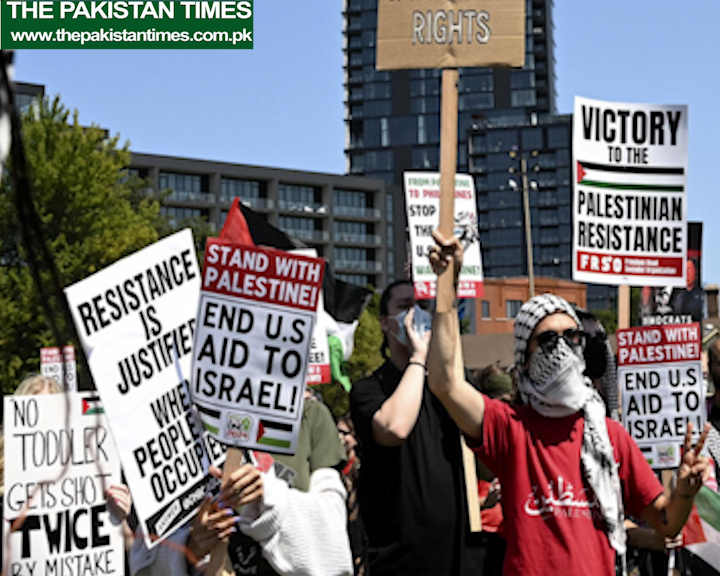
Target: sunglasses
x=549, y=339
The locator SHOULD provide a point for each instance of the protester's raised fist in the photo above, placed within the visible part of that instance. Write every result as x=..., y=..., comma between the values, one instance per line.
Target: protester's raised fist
x=445, y=251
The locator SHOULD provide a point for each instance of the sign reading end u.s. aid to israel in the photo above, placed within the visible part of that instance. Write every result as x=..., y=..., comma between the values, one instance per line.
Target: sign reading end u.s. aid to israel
x=629, y=202
x=252, y=343
x=660, y=377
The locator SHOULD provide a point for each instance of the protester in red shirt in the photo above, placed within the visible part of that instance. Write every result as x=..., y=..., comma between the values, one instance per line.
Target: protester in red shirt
x=568, y=473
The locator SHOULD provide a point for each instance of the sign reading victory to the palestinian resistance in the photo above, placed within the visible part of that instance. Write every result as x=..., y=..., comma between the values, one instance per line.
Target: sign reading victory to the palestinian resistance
x=449, y=33
x=59, y=460
x=52, y=360
x=422, y=200
x=136, y=321
x=661, y=381
x=252, y=343
x=629, y=199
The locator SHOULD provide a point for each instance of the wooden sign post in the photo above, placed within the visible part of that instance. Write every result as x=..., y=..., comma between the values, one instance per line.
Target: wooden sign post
x=450, y=34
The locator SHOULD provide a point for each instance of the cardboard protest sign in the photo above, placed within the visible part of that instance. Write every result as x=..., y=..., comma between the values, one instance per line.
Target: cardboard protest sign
x=660, y=376
x=255, y=324
x=668, y=305
x=629, y=200
x=51, y=365
x=450, y=33
x=136, y=321
x=422, y=200
x=59, y=459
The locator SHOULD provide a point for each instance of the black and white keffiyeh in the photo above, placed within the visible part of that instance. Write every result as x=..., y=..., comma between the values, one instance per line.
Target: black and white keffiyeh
x=554, y=386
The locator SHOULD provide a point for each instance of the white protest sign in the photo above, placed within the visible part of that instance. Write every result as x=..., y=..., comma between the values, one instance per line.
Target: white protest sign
x=660, y=376
x=255, y=324
x=60, y=458
x=136, y=320
x=422, y=200
x=629, y=199
x=51, y=366
x=319, y=358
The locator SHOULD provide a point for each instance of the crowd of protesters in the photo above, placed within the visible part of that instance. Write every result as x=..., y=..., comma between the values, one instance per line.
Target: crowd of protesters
x=562, y=488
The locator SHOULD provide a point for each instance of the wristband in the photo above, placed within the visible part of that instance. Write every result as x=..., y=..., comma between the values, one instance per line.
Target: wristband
x=417, y=364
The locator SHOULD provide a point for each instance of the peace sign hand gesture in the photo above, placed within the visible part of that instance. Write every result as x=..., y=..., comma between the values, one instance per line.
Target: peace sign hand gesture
x=693, y=466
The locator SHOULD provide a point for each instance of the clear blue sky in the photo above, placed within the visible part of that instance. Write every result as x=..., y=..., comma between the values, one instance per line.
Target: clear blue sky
x=281, y=104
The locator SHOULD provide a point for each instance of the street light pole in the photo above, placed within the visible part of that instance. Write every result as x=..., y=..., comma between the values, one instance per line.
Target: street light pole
x=528, y=230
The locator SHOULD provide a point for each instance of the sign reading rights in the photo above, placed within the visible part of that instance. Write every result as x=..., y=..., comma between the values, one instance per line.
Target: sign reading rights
x=255, y=325
x=422, y=199
x=59, y=459
x=660, y=375
x=136, y=321
x=450, y=33
x=629, y=202
x=126, y=24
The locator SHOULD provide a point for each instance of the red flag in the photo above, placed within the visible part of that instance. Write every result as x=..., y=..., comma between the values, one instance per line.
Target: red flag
x=235, y=228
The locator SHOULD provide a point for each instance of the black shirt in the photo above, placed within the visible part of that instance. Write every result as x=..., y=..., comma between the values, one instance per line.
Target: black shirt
x=412, y=497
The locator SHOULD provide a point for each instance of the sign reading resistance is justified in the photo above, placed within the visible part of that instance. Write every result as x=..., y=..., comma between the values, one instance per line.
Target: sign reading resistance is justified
x=126, y=24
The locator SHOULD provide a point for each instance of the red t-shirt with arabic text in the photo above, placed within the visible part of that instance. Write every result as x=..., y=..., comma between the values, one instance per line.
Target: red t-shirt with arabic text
x=553, y=523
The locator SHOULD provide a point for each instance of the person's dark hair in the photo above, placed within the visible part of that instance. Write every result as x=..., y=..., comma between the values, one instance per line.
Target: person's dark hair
x=595, y=351
x=384, y=300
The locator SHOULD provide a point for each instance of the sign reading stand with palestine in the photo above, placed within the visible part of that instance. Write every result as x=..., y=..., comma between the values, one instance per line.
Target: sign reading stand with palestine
x=662, y=385
x=136, y=320
x=422, y=199
x=59, y=459
x=449, y=33
x=629, y=204
x=254, y=330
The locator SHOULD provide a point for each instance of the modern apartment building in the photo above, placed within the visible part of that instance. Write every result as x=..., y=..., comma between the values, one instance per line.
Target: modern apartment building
x=343, y=217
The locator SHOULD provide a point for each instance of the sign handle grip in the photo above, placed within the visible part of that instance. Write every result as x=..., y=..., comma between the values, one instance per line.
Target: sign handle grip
x=220, y=564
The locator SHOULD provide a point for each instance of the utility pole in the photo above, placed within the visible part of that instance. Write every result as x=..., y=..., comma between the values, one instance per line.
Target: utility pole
x=526, y=210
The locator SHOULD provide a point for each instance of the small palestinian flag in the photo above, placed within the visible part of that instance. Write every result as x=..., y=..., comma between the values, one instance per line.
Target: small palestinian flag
x=92, y=405
x=640, y=178
x=701, y=533
x=274, y=434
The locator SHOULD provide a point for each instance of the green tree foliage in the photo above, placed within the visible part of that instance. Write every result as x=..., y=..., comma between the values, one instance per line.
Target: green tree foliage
x=366, y=356
x=90, y=216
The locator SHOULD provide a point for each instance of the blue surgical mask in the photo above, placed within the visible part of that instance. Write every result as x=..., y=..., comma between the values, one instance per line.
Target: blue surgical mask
x=422, y=322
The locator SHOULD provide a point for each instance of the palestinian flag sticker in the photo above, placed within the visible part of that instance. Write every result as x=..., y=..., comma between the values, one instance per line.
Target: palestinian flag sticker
x=275, y=434
x=92, y=405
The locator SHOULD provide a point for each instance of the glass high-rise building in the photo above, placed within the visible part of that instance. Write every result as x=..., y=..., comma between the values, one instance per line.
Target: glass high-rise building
x=393, y=125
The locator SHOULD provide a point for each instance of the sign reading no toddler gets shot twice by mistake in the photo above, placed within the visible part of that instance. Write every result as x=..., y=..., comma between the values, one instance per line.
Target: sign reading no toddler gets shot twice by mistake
x=252, y=343
x=629, y=202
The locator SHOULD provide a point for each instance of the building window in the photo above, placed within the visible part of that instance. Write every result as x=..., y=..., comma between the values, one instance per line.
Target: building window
x=485, y=309
x=243, y=189
x=520, y=98
x=512, y=307
x=183, y=186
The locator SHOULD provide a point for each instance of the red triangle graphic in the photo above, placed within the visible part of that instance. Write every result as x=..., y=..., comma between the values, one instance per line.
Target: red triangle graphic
x=580, y=173
x=86, y=406
x=261, y=430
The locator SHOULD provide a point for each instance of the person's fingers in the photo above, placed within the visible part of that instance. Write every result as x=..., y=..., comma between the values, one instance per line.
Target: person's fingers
x=439, y=237
x=703, y=437
x=215, y=471
x=252, y=493
x=408, y=320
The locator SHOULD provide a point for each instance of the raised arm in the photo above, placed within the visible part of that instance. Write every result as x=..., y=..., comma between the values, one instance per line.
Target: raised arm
x=396, y=418
x=446, y=375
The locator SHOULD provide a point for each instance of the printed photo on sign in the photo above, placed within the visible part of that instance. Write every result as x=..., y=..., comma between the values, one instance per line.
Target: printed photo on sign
x=661, y=381
x=422, y=199
x=629, y=198
x=668, y=305
x=136, y=321
x=252, y=344
x=59, y=460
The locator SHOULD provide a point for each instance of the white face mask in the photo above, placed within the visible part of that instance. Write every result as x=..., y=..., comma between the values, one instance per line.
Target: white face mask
x=422, y=322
